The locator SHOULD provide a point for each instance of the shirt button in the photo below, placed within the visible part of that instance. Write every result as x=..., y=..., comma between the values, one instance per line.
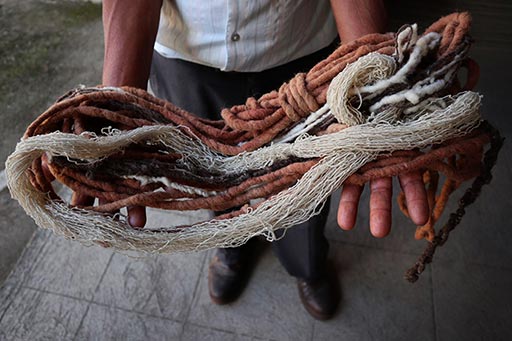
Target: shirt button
x=235, y=37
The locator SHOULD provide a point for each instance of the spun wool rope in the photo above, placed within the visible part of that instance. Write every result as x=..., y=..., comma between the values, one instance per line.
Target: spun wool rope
x=389, y=111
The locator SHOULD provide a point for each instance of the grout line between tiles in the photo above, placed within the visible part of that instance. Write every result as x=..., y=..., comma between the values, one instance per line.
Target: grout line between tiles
x=15, y=291
x=93, y=294
x=44, y=291
x=90, y=302
x=229, y=331
x=187, y=315
x=19, y=286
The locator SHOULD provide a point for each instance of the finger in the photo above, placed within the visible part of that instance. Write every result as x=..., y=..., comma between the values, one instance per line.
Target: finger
x=78, y=199
x=380, y=206
x=136, y=216
x=415, y=196
x=347, y=209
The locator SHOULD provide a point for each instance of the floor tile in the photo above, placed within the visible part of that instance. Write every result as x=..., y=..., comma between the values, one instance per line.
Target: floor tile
x=194, y=333
x=472, y=302
x=16, y=229
x=34, y=315
x=269, y=307
x=161, y=285
x=7, y=293
x=107, y=323
x=67, y=267
x=26, y=264
x=377, y=303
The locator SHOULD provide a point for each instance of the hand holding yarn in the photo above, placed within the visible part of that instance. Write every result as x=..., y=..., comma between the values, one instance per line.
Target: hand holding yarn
x=380, y=203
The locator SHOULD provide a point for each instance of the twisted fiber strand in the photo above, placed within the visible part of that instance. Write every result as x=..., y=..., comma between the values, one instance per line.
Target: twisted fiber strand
x=433, y=160
x=145, y=169
x=233, y=196
x=469, y=196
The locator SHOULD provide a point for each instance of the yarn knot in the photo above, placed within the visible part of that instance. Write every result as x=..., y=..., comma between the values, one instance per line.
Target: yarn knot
x=295, y=99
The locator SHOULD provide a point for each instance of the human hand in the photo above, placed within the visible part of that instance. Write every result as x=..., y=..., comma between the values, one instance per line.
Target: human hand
x=129, y=38
x=136, y=214
x=381, y=192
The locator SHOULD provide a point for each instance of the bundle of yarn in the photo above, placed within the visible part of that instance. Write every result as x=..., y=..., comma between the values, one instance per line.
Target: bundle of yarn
x=381, y=106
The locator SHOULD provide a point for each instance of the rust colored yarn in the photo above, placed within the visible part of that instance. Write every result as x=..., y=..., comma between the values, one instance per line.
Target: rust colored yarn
x=247, y=127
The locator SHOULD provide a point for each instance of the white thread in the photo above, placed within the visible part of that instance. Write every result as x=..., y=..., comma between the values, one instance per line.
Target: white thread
x=367, y=69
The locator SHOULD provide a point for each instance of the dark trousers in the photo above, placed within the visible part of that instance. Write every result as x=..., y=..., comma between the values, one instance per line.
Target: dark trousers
x=204, y=91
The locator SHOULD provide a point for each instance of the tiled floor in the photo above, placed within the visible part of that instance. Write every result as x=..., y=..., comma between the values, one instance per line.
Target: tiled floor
x=63, y=290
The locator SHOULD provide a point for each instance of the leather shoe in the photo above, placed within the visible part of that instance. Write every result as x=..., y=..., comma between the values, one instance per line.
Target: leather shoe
x=320, y=297
x=230, y=270
x=226, y=282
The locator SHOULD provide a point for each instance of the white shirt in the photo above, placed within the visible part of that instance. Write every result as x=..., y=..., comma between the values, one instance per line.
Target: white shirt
x=238, y=35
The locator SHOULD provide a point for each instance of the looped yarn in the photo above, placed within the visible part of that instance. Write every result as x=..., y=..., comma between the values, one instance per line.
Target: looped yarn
x=295, y=99
x=365, y=70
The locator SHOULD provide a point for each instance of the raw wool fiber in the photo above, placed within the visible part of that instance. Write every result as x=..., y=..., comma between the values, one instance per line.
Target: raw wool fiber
x=381, y=106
